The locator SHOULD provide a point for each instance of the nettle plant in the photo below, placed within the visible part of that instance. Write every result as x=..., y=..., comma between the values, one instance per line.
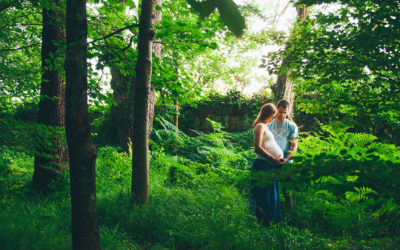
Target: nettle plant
x=347, y=170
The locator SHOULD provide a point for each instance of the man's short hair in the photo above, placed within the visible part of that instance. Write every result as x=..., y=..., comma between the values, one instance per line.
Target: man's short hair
x=283, y=103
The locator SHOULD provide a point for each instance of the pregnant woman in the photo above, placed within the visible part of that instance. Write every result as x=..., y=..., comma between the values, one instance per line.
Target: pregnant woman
x=269, y=157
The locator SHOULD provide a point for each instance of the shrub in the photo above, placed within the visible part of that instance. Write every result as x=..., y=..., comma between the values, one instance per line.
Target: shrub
x=354, y=175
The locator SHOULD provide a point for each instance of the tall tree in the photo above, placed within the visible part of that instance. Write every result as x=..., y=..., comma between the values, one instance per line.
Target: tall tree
x=140, y=164
x=124, y=88
x=82, y=153
x=140, y=161
x=48, y=162
x=283, y=88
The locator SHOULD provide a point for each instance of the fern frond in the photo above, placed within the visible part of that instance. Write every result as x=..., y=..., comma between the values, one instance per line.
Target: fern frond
x=384, y=149
x=388, y=206
x=359, y=139
x=327, y=180
x=360, y=194
x=336, y=129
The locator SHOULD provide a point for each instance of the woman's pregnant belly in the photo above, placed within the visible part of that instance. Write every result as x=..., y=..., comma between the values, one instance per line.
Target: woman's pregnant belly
x=272, y=147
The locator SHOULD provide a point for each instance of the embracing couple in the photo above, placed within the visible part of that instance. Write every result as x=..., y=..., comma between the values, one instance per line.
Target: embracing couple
x=275, y=138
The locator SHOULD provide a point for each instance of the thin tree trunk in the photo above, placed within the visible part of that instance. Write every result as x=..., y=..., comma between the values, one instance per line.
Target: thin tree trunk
x=82, y=153
x=128, y=139
x=175, y=148
x=48, y=163
x=140, y=160
x=126, y=106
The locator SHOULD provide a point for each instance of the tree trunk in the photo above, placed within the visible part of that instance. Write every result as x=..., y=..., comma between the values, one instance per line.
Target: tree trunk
x=283, y=88
x=82, y=153
x=140, y=160
x=122, y=112
x=49, y=161
x=156, y=46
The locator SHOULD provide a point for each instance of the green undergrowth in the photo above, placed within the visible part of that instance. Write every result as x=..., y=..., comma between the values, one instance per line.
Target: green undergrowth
x=177, y=216
x=188, y=208
x=198, y=200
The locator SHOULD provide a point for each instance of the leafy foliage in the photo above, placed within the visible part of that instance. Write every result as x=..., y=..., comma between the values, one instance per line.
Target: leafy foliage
x=30, y=138
x=185, y=38
x=20, y=40
x=229, y=11
x=205, y=158
x=352, y=172
x=346, y=67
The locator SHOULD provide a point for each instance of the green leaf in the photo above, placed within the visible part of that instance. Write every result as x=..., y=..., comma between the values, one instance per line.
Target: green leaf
x=231, y=16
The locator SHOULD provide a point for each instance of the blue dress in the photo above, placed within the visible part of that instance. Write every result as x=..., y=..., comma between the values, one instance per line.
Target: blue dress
x=265, y=200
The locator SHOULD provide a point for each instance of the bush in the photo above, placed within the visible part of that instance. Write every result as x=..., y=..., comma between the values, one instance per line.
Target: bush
x=355, y=178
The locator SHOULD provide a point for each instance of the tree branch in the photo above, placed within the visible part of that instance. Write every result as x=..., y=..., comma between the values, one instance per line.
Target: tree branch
x=115, y=32
x=129, y=45
x=20, y=48
x=22, y=24
x=28, y=14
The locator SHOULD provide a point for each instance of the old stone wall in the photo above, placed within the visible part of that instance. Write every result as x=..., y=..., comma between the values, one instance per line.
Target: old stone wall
x=232, y=117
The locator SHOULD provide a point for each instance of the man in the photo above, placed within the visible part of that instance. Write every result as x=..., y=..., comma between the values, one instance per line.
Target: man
x=286, y=135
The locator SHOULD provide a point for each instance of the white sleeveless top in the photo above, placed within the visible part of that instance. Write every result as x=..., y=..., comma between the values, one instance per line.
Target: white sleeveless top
x=270, y=145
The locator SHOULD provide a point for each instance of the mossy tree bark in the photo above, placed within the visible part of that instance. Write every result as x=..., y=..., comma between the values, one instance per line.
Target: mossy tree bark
x=82, y=153
x=49, y=159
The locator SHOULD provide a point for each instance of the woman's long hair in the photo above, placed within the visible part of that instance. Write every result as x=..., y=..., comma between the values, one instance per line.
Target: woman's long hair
x=266, y=111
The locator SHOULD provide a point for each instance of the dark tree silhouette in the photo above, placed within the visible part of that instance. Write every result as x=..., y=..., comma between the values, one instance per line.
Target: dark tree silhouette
x=82, y=153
